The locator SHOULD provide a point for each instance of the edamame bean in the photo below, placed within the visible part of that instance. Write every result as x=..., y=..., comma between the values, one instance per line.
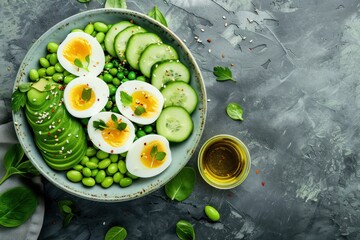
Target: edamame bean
x=86, y=172
x=77, y=30
x=148, y=129
x=123, y=154
x=94, y=172
x=50, y=71
x=78, y=167
x=107, y=58
x=140, y=133
x=125, y=182
x=90, y=151
x=91, y=165
x=100, y=27
x=112, y=168
x=131, y=75
x=94, y=160
x=89, y=29
x=88, y=181
x=66, y=73
x=100, y=36
x=52, y=47
x=42, y=72
x=102, y=155
x=108, y=181
x=84, y=160
x=60, y=68
x=109, y=105
x=108, y=65
x=132, y=176
x=117, y=177
x=120, y=75
x=141, y=78
x=108, y=78
x=112, y=89
x=34, y=75
x=102, y=46
x=100, y=176
x=104, y=163
x=53, y=59
x=44, y=62
x=115, y=109
x=74, y=176
x=212, y=213
x=114, y=157
x=113, y=71
x=122, y=167
x=116, y=81
x=93, y=33
x=69, y=78
x=58, y=77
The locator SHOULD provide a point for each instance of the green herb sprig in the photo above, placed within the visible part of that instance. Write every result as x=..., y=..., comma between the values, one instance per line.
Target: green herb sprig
x=185, y=230
x=156, y=14
x=67, y=209
x=156, y=155
x=101, y=125
x=223, y=74
x=235, y=111
x=80, y=64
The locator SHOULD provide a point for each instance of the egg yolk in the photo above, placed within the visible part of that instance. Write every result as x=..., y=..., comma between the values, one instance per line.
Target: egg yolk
x=148, y=160
x=113, y=136
x=77, y=101
x=77, y=48
x=146, y=100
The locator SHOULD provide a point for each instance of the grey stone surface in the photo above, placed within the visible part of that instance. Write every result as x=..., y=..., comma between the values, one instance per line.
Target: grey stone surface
x=297, y=77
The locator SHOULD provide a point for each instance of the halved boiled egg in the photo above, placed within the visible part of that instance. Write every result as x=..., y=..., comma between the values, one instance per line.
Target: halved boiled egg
x=86, y=96
x=81, y=54
x=111, y=132
x=139, y=101
x=148, y=156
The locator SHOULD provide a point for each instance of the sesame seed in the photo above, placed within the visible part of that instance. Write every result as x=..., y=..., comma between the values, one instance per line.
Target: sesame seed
x=251, y=41
x=226, y=24
x=203, y=30
x=224, y=17
x=209, y=50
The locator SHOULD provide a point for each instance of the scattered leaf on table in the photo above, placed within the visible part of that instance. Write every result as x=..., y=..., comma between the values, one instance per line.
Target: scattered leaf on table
x=182, y=185
x=116, y=233
x=235, y=111
x=185, y=230
x=115, y=4
x=223, y=74
x=156, y=14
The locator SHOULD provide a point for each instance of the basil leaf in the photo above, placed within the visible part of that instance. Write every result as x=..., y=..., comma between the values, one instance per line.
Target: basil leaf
x=66, y=208
x=234, y=111
x=182, y=185
x=223, y=74
x=13, y=156
x=86, y=94
x=116, y=233
x=125, y=98
x=114, y=118
x=156, y=14
x=87, y=59
x=160, y=156
x=99, y=125
x=185, y=230
x=28, y=168
x=24, y=87
x=16, y=206
x=78, y=63
x=121, y=126
x=139, y=110
x=18, y=100
x=115, y=4
x=153, y=151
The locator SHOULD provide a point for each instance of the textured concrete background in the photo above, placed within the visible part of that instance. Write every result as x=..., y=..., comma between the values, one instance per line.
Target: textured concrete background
x=296, y=66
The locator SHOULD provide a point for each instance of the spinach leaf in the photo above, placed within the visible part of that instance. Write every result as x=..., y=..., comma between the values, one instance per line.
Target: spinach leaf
x=182, y=185
x=116, y=233
x=115, y=4
x=15, y=163
x=156, y=14
x=234, y=111
x=16, y=206
x=184, y=230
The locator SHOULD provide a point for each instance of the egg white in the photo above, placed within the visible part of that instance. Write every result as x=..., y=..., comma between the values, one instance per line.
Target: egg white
x=99, y=88
x=132, y=86
x=97, y=57
x=96, y=136
x=133, y=159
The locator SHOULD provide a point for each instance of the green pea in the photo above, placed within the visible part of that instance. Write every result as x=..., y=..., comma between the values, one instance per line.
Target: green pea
x=116, y=82
x=107, y=182
x=140, y=133
x=52, y=47
x=94, y=160
x=58, y=77
x=117, y=177
x=108, y=66
x=88, y=181
x=44, y=62
x=112, y=168
x=53, y=59
x=104, y=163
x=120, y=75
x=114, y=158
x=115, y=109
x=93, y=34
x=125, y=182
x=101, y=154
x=108, y=78
x=34, y=75
x=108, y=58
x=131, y=75
x=89, y=29
x=113, y=71
x=69, y=78
x=94, y=172
x=60, y=68
x=112, y=89
x=141, y=78
x=212, y=213
x=148, y=129
x=66, y=73
x=50, y=71
x=124, y=80
x=100, y=27
x=109, y=105
x=100, y=36
x=90, y=151
x=122, y=167
x=132, y=176
x=74, y=176
x=84, y=160
x=42, y=72
x=77, y=30
x=100, y=176
x=91, y=165
x=86, y=172
x=78, y=167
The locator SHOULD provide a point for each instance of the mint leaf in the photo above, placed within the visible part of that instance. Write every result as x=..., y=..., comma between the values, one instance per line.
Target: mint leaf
x=18, y=100
x=160, y=156
x=156, y=14
x=153, y=151
x=99, y=125
x=86, y=94
x=139, y=110
x=223, y=74
x=121, y=126
x=125, y=98
x=78, y=63
x=115, y=4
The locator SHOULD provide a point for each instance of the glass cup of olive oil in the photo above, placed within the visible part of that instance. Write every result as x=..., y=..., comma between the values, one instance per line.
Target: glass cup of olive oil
x=224, y=161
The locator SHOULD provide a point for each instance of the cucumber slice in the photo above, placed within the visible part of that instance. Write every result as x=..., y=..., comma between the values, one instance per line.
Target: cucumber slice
x=175, y=124
x=111, y=34
x=180, y=94
x=155, y=53
x=136, y=45
x=122, y=38
x=167, y=71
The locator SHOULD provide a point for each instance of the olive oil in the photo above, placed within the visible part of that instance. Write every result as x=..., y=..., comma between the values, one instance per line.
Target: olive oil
x=224, y=161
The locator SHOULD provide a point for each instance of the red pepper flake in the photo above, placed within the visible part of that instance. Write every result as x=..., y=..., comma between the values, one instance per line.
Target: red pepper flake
x=209, y=40
x=52, y=110
x=257, y=171
x=263, y=184
x=49, y=133
x=144, y=143
x=98, y=99
x=111, y=151
x=222, y=55
x=131, y=21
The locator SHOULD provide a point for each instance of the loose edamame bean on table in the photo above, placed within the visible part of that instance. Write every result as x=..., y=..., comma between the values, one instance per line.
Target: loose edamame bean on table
x=212, y=213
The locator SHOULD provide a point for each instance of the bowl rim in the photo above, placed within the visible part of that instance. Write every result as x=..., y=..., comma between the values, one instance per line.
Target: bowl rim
x=192, y=61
